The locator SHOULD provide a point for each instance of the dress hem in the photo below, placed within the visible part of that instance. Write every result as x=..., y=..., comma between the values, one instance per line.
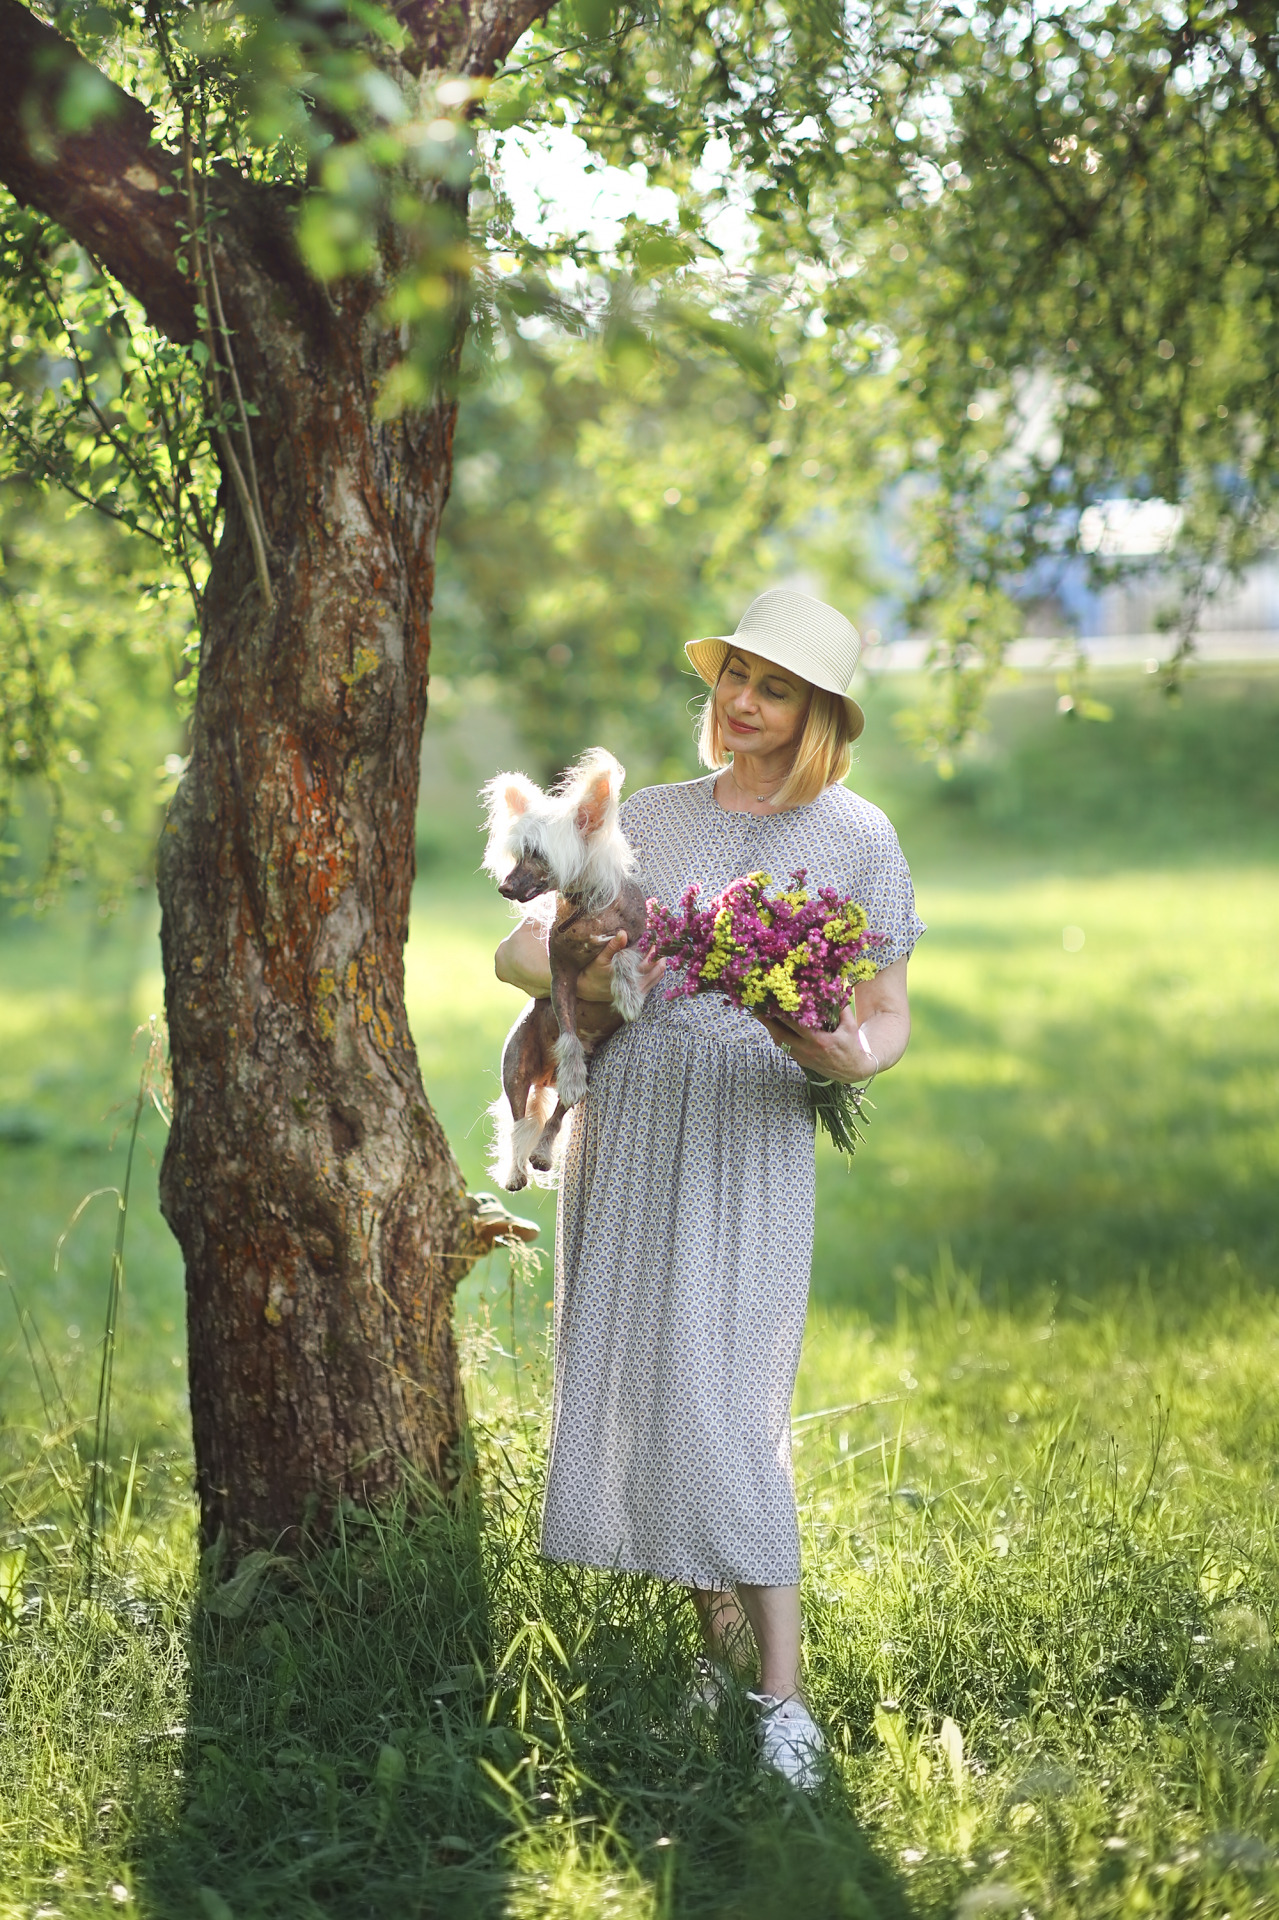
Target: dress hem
x=703, y=1581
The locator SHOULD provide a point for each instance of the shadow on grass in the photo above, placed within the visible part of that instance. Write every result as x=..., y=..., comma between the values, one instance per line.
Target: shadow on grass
x=426, y=1718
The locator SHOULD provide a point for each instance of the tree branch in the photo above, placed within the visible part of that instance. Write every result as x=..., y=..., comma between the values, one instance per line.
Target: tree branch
x=466, y=36
x=101, y=182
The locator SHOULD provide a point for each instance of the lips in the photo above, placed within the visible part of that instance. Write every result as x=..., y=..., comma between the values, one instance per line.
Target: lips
x=736, y=726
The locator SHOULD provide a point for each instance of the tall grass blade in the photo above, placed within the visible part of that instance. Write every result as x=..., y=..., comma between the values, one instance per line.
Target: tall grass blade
x=95, y=1515
x=28, y=1326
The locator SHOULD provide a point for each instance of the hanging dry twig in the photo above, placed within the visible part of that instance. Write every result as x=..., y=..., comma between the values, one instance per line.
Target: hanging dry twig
x=210, y=296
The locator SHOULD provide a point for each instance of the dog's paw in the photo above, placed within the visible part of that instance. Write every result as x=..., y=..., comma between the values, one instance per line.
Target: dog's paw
x=517, y=1179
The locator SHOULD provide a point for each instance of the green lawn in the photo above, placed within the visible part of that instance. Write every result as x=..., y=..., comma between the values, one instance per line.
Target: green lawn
x=1036, y=1442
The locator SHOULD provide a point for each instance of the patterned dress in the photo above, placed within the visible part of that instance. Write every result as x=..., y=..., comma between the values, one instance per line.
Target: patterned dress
x=686, y=1227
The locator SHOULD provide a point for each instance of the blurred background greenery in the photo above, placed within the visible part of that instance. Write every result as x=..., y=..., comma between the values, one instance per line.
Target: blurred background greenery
x=1088, y=1105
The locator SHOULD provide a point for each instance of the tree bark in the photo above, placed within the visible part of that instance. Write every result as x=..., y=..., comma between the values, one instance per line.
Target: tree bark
x=322, y=1217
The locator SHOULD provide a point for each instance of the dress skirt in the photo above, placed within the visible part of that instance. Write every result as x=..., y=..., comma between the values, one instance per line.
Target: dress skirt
x=680, y=1298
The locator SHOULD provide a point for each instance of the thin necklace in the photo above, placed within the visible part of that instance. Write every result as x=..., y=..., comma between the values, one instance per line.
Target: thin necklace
x=762, y=798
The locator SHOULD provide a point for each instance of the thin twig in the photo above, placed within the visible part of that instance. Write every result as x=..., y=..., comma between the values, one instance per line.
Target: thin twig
x=256, y=537
x=235, y=380
x=150, y=492
x=206, y=230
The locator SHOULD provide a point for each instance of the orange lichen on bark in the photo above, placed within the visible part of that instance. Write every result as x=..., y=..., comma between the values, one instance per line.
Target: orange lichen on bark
x=371, y=1009
x=319, y=847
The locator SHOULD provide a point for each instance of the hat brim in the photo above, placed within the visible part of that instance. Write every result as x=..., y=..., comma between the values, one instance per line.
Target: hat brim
x=708, y=657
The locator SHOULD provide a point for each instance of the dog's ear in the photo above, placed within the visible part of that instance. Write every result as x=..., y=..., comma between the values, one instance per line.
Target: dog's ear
x=593, y=803
x=506, y=796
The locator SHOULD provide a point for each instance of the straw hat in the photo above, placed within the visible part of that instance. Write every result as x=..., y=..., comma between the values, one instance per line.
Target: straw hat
x=794, y=631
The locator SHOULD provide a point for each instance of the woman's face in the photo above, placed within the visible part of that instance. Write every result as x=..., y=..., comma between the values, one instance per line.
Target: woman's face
x=761, y=708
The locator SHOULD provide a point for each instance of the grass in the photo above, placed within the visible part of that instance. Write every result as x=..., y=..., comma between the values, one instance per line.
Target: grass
x=1035, y=1444
x=1058, y=1538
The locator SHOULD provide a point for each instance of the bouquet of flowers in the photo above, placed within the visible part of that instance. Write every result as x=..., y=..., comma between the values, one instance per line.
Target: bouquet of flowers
x=791, y=952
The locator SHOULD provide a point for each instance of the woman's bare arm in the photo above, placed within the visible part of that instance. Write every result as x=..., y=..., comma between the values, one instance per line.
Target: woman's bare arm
x=870, y=1038
x=522, y=960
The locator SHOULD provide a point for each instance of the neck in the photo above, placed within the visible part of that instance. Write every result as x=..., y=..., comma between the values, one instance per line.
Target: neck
x=760, y=774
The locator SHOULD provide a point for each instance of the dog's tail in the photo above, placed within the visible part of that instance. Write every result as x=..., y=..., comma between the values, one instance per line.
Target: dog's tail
x=627, y=997
x=571, y=1062
x=514, y=1140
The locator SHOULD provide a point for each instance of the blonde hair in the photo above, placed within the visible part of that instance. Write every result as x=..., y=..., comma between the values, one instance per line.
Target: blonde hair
x=822, y=757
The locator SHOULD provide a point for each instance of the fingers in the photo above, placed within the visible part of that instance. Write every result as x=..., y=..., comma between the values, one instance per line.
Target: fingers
x=792, y=1038
x=610, y=945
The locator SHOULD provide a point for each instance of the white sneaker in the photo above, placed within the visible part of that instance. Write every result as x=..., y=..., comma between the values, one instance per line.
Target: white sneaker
x=790, y=1741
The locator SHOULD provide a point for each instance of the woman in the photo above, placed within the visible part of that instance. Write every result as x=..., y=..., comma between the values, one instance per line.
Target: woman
x=686, y=1198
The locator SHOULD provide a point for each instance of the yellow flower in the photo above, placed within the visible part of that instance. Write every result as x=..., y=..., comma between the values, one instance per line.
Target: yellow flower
x=754, y=992
x=845, y=927
x=722, y=947
x=780, y=984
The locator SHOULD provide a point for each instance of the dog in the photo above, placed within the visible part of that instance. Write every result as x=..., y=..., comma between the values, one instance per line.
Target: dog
x=567, y=842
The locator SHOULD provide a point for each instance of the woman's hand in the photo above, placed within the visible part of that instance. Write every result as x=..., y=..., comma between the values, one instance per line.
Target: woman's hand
x=870, y=1038
x=596, y=981
x=522, y=961
x=842, y=1055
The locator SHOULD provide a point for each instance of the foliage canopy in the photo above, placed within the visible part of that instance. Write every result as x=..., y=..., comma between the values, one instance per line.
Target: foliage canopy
x=953, y=274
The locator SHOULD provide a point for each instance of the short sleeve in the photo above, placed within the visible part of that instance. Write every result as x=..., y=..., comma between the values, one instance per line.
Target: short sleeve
x=882, y=884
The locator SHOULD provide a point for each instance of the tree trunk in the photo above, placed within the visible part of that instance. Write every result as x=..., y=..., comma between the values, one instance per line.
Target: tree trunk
x=322, y=1217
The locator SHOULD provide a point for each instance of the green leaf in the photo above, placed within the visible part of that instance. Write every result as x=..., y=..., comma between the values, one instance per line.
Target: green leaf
x=592, y=18
x=753, y=354
x=512, y=108
x=86, y=99
x=661, y=250
x=233, y=1598
x=212, y=1905
x=12, y=1564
